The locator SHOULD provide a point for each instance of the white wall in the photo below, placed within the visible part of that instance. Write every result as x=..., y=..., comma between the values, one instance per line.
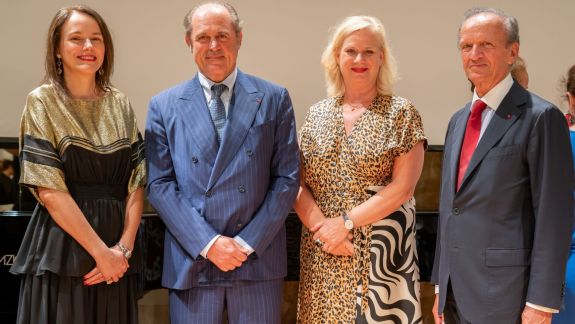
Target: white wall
x=283, y=41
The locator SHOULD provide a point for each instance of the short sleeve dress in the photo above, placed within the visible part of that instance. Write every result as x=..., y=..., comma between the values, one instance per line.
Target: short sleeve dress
x=93, y=150
x=380, y=283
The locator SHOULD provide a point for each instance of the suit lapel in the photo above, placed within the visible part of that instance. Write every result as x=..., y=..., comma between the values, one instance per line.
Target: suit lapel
x=505, y=115
x=244, y=106
x=457, y=141
x=196, y=117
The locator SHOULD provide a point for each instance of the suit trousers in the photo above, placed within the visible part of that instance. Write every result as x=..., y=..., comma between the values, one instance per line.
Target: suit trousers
x=451, y=313
x=246, y=302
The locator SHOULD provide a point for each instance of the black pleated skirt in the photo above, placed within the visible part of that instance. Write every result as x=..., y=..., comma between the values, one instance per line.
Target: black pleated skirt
x=53, y=299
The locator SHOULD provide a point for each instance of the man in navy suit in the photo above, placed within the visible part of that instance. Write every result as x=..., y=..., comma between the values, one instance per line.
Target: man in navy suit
x=506, y=207
x=223, y=174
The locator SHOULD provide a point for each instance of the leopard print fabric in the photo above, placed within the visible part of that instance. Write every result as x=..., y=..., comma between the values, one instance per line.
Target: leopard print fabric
x=337, y=169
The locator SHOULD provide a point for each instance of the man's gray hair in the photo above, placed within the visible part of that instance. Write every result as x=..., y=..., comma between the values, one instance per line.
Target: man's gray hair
x=509, y=22
x=236, y=22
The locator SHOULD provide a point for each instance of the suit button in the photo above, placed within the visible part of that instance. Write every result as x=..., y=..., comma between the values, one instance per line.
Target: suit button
x=239, y=225
x=194, y=159
x=208, y=193
x=241, y=189
x=455, y=211
x=249, y=152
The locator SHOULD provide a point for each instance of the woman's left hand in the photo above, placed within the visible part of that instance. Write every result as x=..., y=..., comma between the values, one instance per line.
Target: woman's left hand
x=330, y=232
x=93, y=277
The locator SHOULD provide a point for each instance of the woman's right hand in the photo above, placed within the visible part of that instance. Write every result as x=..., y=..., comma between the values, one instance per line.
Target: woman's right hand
x=111, y=264
x=345, y=248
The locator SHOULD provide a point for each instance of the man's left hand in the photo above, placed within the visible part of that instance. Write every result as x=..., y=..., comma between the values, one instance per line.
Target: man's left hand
x=534, y=316
x=227, y=254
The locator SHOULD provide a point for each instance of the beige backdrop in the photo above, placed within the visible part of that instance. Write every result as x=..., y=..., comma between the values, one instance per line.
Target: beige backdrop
x=283, y=41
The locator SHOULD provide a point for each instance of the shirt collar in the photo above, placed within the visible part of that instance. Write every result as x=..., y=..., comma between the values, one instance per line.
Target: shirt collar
x=495, y=96
x=207, y=84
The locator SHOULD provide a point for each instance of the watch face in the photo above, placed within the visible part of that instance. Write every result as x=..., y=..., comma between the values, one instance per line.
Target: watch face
x=348, y=224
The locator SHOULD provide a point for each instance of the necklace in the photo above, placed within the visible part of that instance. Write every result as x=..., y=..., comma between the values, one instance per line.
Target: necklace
x=353, y=107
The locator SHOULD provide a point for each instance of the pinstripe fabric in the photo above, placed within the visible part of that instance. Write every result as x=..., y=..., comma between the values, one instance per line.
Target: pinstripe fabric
x=198, y=305
x=255, y=302
x=246, y=187
x=247, y=302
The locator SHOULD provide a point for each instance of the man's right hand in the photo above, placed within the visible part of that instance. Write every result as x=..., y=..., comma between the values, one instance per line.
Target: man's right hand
x=227, y=254
x=437, y=317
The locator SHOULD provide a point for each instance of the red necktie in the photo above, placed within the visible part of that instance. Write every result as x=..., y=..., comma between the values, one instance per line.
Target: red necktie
x=471, y=137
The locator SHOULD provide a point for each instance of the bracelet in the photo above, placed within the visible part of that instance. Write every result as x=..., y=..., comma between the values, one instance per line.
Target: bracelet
x=127, y=253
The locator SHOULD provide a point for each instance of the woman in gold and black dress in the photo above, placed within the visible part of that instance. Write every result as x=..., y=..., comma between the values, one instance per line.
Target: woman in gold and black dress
x=82, y=157
x=362, y=154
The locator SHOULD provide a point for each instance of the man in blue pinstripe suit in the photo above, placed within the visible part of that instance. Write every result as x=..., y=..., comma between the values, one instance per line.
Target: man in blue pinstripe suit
x=223, y=174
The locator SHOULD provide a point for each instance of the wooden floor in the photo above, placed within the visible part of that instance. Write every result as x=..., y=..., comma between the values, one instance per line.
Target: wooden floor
x=153, y=308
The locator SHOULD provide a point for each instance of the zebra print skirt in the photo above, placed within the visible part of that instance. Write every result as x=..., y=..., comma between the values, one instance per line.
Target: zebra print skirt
x=393, y=294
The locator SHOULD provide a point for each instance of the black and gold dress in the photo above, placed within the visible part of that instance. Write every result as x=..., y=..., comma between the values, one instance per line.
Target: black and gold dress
x=380, y=282
x=93, y=150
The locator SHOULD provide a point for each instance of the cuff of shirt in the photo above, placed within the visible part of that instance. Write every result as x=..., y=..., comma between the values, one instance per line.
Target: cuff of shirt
x=542, y=308
x=243, y=243
x=436, y=289
x=204, y=252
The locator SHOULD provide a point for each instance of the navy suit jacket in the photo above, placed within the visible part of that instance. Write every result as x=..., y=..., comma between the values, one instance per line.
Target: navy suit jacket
x=245, y=186
x=503, y=237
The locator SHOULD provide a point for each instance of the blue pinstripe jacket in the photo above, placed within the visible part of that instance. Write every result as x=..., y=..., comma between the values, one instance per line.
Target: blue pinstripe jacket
x=246, y=187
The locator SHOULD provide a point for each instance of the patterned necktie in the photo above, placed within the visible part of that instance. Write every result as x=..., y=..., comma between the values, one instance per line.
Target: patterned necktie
x=217, y=109
x=471, y=138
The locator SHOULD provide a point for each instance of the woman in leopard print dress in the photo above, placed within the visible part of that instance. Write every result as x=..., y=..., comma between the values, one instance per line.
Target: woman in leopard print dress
x=362, y=154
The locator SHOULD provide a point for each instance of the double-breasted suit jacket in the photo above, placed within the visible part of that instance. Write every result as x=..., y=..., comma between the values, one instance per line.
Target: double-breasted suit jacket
x=244, y=186
x=503, y=237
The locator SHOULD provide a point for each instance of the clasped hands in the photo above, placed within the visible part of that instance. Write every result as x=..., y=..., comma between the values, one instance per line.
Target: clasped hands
x=111, y=264
x=333, y=237
x=227, y=254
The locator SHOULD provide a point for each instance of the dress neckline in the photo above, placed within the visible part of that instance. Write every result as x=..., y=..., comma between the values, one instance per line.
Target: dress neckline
x=339, y=103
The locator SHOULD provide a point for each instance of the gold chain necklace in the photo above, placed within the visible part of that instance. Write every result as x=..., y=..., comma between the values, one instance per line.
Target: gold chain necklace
x=353, y=107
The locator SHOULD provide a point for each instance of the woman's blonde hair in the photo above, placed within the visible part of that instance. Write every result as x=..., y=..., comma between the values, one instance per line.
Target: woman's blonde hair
x=387, y=71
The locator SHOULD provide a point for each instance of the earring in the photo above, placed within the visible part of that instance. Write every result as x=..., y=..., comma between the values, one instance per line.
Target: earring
x=570, y=119
x=101, y=71
x=59, y=64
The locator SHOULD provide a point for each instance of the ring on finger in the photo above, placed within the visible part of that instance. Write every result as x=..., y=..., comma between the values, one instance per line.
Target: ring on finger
x=109, y=281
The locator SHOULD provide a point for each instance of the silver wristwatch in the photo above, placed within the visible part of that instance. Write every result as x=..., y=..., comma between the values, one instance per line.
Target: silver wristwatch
x=347, y=222
x=127, y=253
